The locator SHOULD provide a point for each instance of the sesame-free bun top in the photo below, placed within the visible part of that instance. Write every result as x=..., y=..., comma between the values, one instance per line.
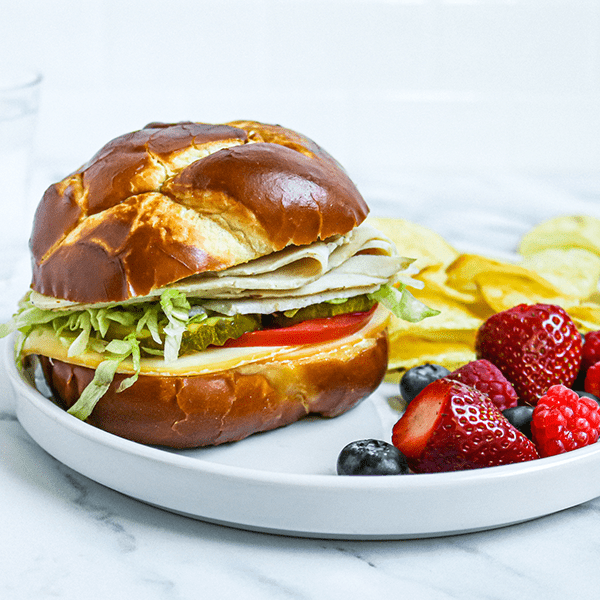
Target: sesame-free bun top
x=173, y=200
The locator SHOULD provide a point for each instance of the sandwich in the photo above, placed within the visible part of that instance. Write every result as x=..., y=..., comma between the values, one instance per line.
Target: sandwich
x=194, y=284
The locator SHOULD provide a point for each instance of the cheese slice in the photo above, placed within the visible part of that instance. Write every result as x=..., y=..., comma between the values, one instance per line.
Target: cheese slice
x=43, y=341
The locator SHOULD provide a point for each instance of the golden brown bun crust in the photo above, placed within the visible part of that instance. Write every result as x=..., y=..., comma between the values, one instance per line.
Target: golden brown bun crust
x=185, y=198
x=188, y=412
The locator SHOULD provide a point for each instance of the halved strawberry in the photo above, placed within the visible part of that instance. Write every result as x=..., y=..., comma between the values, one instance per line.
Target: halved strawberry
x=450, y=426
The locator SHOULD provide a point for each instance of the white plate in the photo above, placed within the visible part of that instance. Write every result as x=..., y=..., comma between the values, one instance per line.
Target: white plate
x=284, y=481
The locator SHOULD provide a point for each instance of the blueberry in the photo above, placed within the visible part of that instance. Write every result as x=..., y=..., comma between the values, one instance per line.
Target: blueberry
x=416, y=379
x=371, y=457
x=520, y=417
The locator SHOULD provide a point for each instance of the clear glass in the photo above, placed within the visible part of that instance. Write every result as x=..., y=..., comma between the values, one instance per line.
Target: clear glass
x=19, y=106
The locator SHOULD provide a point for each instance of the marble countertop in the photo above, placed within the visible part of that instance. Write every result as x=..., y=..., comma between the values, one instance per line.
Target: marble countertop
x=68, y=537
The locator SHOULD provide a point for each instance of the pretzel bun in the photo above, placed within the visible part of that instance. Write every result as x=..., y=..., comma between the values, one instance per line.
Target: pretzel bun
x=185, y=198
x=224, y=406
x=170, y=201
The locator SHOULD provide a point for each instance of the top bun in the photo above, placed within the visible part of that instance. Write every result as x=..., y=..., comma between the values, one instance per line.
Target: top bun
x=172, y=200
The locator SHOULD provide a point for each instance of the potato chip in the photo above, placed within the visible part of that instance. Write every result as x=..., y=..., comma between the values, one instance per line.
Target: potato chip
x=415, y=241
x=502, y=291
x=586, y=317
x=435, y=278
x=450, y=350
x=574, y=231
x=446, y=339
x=504, y=285
x=594, y=298
x=447, y=321
x=574, y=271
x=462, y=272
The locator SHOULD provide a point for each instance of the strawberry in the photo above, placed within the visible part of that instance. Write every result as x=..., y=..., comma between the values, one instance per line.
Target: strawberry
x=535, y=346
x=590, y=353
x=450, y=426
x=592, y=380
x=487, y=378
x=563, y=421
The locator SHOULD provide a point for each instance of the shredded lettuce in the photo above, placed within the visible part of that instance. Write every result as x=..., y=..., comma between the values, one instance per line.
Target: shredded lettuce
x=149, y=320
x=402, y=303
x=115, y=332
x=27, y=317
x=25, y=320
x=177, y=308
x=118, y=351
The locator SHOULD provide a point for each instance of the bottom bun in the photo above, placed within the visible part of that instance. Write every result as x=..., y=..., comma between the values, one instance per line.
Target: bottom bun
x=226, y=406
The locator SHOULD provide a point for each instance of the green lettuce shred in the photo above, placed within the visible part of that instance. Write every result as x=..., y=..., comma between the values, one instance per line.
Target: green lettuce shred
x=402, y=303
x=149, y=320
x=115, y=332
x=117, y=351
x=177, y=308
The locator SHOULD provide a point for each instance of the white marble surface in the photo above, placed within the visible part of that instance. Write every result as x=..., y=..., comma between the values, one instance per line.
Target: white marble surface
x=68, y=537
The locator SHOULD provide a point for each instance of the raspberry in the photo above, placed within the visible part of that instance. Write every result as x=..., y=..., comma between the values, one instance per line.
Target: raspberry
x=592, y=380
x=487, y=378
x=562, y=421
x=590, y=353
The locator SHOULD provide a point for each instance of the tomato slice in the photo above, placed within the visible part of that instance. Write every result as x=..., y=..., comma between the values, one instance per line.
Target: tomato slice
x=313, y=331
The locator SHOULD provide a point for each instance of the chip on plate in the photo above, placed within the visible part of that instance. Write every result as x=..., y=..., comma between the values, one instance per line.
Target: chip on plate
x=586, y=317
x=503, y=285
x=574, y=271
x=415, y=241
x=572, y=231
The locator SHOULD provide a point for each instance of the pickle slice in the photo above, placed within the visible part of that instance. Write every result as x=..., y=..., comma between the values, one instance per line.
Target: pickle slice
x=322, y=310
x=216, y=331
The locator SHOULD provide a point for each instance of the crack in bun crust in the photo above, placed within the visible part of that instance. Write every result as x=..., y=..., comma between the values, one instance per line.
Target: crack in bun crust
x=185, y=198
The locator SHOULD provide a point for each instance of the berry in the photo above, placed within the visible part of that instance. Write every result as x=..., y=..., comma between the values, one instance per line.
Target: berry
x=592, y=380
x=416, y=379
x=451, y=427
x=590, y=353
x=520, y=418
x=487, y=378
x=371, y=457
x=535, y=346
x=588, y=395
x=563, y=421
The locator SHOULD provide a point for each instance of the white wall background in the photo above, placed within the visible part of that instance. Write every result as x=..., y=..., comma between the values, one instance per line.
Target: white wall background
x=387, y=86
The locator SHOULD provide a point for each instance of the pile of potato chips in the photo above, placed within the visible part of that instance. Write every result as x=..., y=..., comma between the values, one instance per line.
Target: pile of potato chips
x=558, y=262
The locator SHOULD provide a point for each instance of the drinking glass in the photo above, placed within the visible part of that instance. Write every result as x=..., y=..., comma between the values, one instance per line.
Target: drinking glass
x=19, y=104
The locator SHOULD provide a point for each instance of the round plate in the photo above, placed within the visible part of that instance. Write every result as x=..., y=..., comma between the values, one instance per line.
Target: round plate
x=284, y=481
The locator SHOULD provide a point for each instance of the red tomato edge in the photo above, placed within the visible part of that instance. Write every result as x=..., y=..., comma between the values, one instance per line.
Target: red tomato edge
x=313, y=331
